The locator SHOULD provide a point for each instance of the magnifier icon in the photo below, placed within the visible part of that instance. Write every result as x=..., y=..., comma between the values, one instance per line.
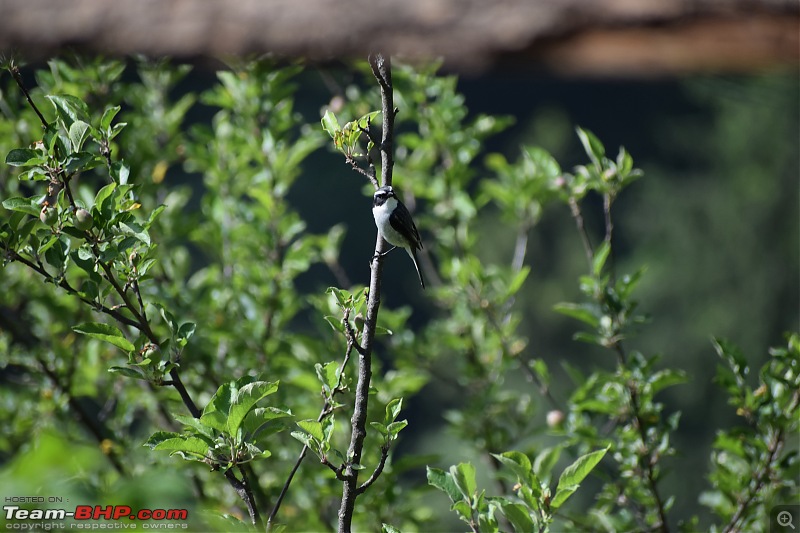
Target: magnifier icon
x=785, y=519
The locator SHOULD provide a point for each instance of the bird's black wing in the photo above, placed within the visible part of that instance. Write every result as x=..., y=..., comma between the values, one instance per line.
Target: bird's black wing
x=401, y=221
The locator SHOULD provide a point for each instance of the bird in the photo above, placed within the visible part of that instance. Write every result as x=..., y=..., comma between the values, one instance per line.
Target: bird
x=395, y=224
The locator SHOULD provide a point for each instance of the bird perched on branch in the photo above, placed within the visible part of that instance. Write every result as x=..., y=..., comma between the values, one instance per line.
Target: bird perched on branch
x=396, y=225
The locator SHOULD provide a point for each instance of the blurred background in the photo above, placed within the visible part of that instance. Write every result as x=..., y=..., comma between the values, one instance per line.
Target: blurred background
x=707, y=102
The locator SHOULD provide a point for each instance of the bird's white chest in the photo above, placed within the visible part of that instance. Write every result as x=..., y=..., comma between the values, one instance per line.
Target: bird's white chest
x=381, y=214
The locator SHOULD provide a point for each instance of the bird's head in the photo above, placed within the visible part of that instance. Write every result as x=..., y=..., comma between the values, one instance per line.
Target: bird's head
x=382, y=195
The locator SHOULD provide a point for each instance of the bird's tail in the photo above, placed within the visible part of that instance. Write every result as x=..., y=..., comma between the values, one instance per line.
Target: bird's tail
x=416, y=265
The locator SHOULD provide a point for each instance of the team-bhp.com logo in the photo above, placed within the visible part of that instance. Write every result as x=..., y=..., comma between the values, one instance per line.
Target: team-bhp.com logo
x=87, y=516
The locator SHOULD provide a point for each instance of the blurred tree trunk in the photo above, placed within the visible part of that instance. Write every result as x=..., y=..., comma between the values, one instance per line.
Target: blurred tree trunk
x=596, y=37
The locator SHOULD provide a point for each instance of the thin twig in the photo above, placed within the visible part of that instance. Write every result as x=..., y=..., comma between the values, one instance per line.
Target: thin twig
x=378, y=469
x=242, y=489
x=607, y=200
x=18, y=78
x=587, y=244
x=89, y=422
x=64, y=284
x=337, y=470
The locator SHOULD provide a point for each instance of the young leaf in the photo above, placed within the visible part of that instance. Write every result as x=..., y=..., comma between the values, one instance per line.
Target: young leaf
x=586, y=313
x=108, y=116
x=194, y=423
x=131, y=372
x=592, y=145
x=443, y=481
x=600, y=257
x=393, y=409
x=24, y=157
x=313, y=428
x=78, y=132
x=245, y=399
x=464, y=477
x=380, y=428
x=23, y=205
x=572, y=476
x=518, y=515
x=175, y=443
x=328, y=374
x=519, y=463
x=545, y=461
x=330, y=124
x=69, y=108
x=105, y=332
x=519, y=279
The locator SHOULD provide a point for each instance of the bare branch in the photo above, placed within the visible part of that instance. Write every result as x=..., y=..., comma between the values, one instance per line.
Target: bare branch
x=381, y=68
x=335, y=469
x=378, y=469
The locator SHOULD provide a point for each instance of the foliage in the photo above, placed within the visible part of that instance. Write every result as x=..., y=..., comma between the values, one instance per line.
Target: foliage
x=153, y=266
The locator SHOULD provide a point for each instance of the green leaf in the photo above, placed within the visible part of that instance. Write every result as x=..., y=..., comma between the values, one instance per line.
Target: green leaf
x=328, y=374
x=136, y=230
x=313, y=428
x=443, y=481
x=306, y=439
x=195, y=423
x=108, y=116
x=464, y=477
x=105, y=332
x=393, y=409
x=80, y=161
x=545, y=461
x=519, y=279
x=258, y=419
x=186, y=330
x=518, y=515
x=591, y=145
x=23, y=205
x=58, y=253
x=395, y=427
x=519, y=463
x=103, y=195
x=367, y=119
x=586, y=313
x=78, y=131
x=70, y=108
x=387, y=528
x=600, y=257
x=666, y=378
x=539, y=367
x=330, y=124
x=572, y=476
x=245, y=399
x=24, y=157
x=120, y=172
x=463, y=509
x=380, y=428
x=563, y=492
x=216, y=412
x=130, y=372
x=177, y=443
